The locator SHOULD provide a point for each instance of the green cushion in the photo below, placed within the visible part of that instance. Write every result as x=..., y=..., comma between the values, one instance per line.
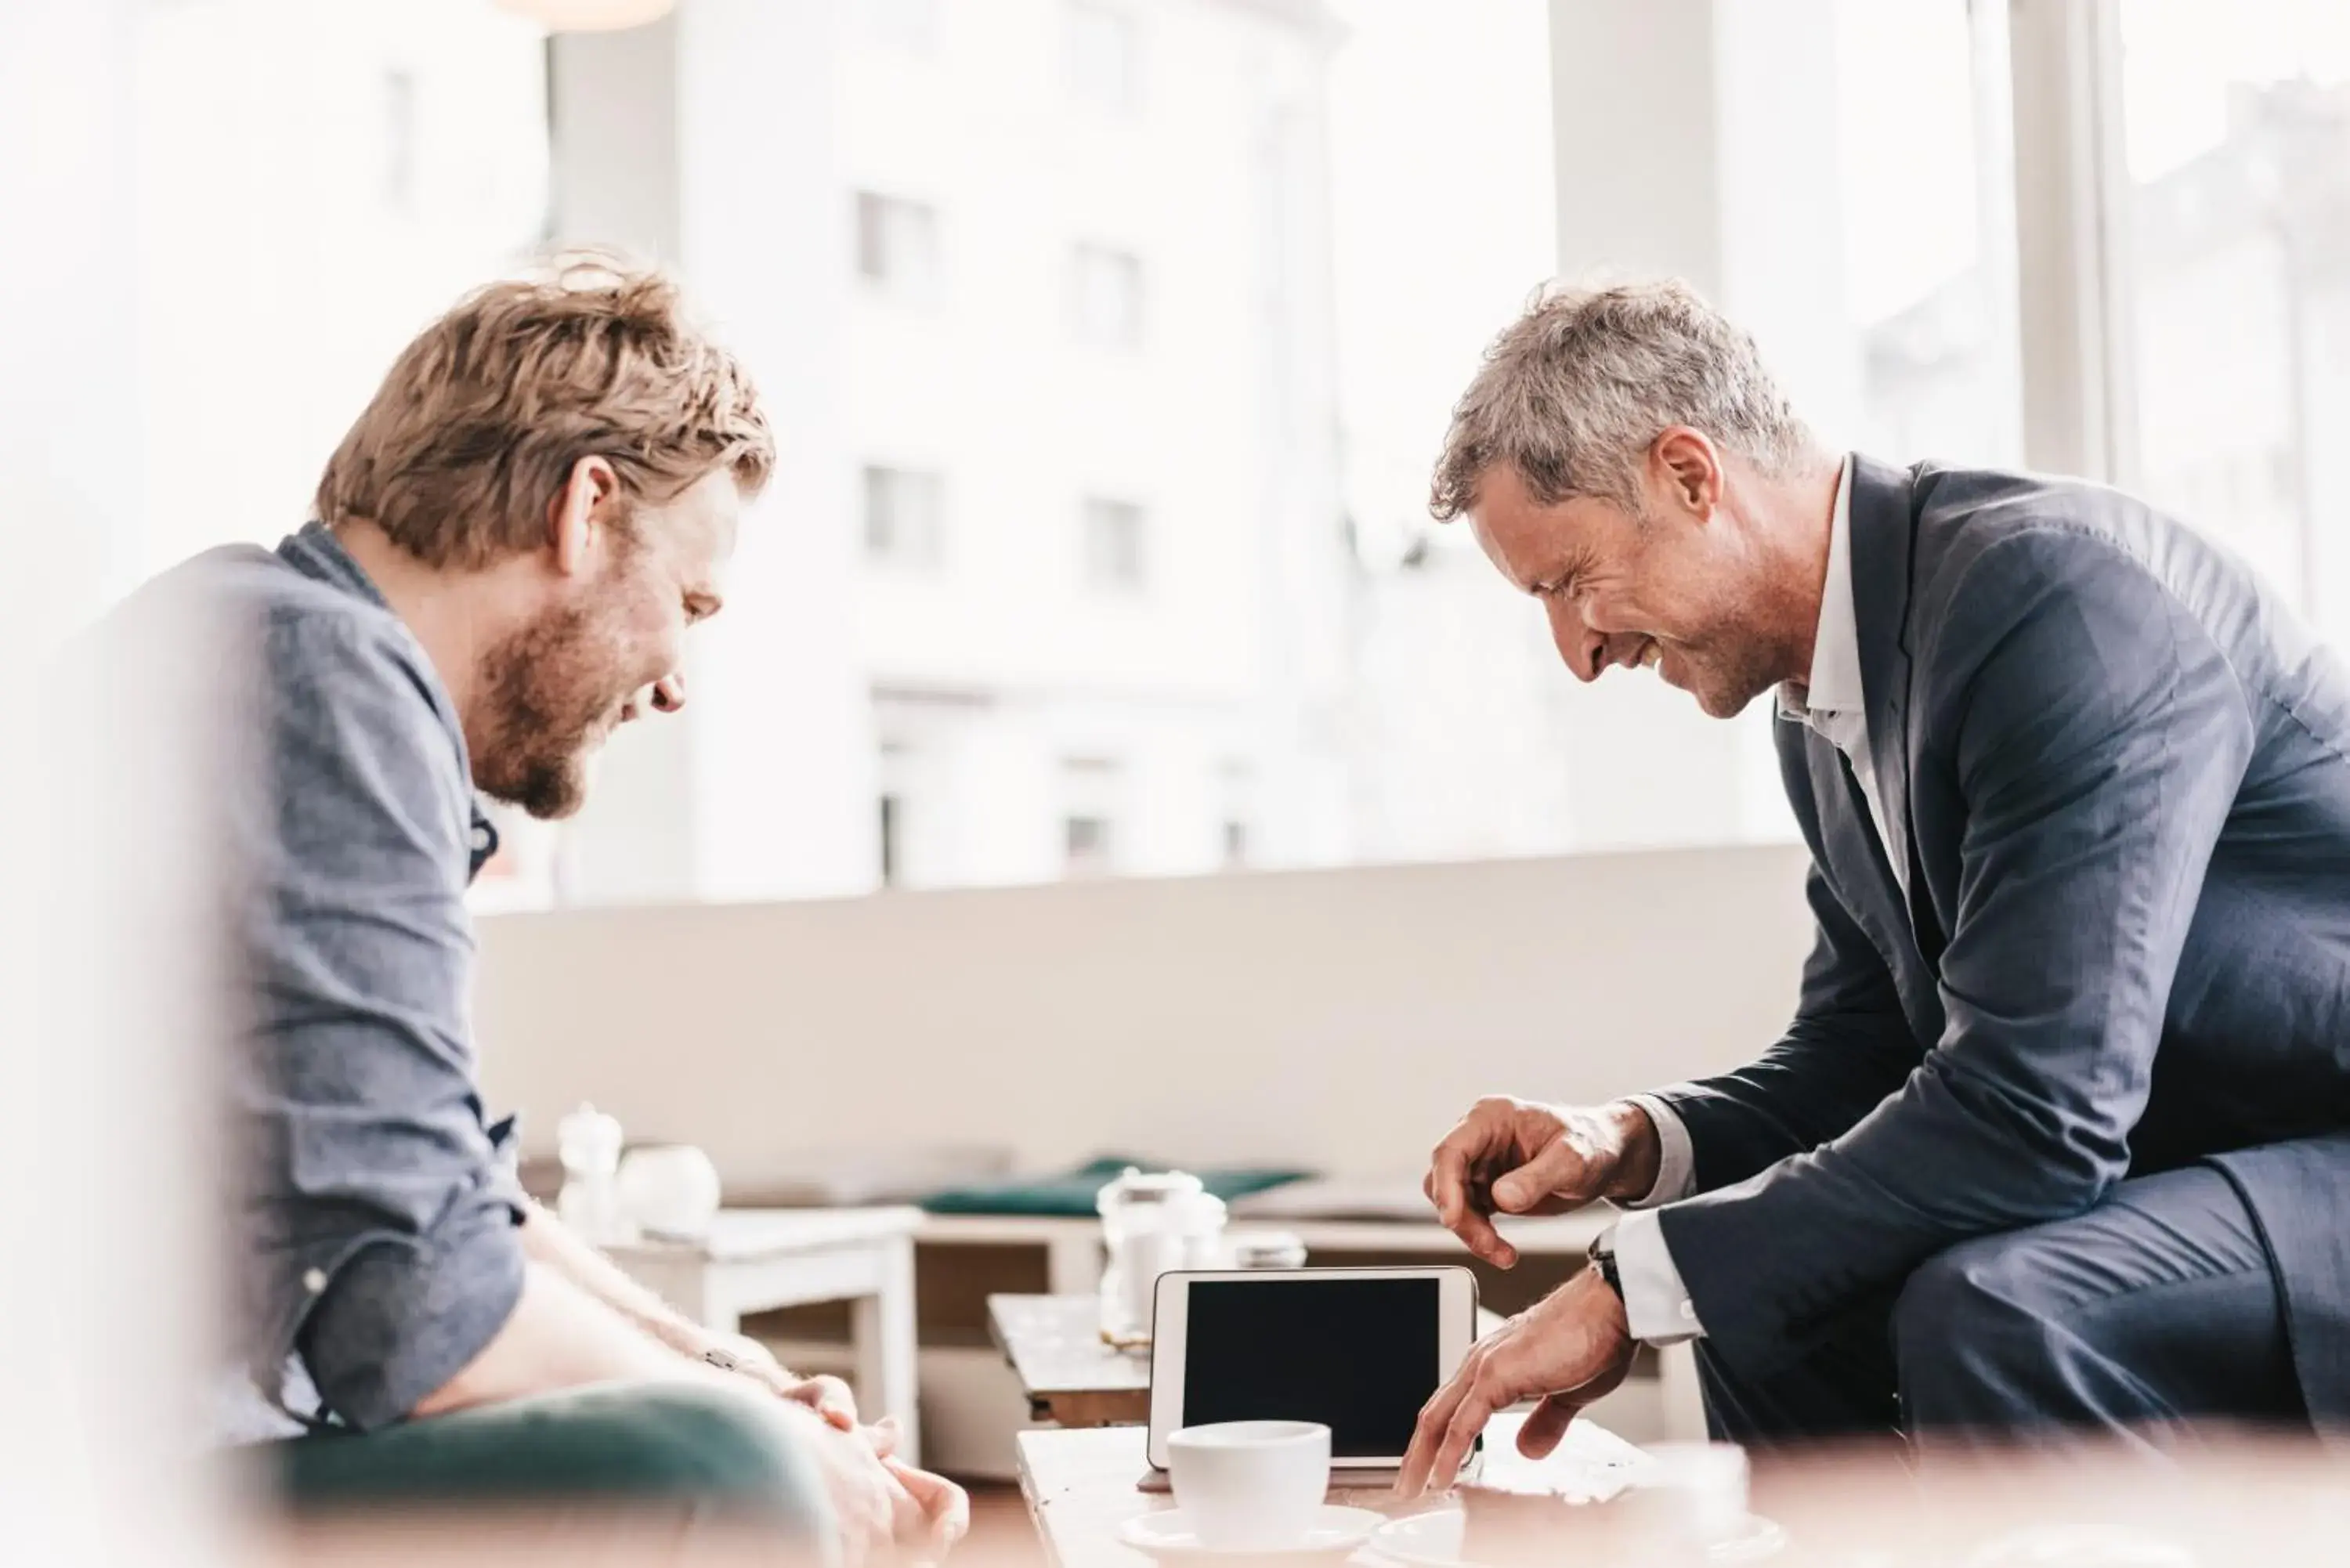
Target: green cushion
x=1072, y=1192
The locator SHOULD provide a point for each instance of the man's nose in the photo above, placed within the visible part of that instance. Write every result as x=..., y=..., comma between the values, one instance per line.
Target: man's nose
x=669, y=693
x=1584, y=650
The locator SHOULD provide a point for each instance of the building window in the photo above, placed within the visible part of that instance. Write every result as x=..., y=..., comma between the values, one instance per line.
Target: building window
x=897, y=248
x=1115, y=557
x=399, y=140
x=906, y=27
x=1086, y=845
x=1236, y=783
x=1105, y=56
x=1106, y=298
x=1089, y=802
x=904, y=518
x=893, y=830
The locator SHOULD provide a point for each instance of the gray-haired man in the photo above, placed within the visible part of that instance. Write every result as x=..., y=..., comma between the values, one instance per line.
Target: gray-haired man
x=2055, y=1140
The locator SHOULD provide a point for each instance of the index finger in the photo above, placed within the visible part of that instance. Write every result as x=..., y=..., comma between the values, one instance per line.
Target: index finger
x=1428, y=1433
x=946, y=1507
x=1447, y=1185
x=1467, y=1421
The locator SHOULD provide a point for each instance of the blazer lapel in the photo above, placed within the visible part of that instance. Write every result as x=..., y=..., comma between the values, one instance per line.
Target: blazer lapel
x=1883, y=527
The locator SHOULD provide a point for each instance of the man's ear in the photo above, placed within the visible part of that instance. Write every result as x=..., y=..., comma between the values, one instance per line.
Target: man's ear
x=579, y=513
x=1691, y=467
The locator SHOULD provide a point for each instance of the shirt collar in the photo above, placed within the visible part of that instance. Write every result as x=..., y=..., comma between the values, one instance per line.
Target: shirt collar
x=1834, y=685
x=316, y=553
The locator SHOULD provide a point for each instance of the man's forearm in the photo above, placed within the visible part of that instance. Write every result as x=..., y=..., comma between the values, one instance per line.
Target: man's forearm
x=549, y=1241
x=559, y=1336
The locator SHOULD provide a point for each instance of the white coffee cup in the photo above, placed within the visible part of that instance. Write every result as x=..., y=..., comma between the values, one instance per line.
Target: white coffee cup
x=1250, y=1486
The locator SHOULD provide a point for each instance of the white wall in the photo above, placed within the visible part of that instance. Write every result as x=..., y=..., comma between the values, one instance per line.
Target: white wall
x=103, y=1156
x=1340, y=1019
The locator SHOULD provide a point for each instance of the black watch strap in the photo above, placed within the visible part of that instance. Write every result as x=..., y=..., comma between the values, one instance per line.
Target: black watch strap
x=1602, y=1258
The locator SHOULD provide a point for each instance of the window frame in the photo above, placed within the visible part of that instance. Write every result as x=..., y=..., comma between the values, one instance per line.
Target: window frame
x=1131, y=579
x=903, y=555
x=2076, y=317
x=1097, y=259
x=916, y=288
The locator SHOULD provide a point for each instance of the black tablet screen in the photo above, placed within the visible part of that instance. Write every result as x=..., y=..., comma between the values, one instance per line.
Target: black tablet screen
x=1358, y=1355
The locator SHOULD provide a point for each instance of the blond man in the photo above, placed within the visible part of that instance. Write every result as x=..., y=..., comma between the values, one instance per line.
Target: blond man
x=509, y=547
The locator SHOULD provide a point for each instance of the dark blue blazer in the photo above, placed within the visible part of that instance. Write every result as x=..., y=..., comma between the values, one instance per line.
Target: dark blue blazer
x=2119, y=768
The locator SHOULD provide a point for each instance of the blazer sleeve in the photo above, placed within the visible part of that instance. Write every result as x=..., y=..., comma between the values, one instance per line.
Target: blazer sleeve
x=1847, y=1047
x=2097, y=736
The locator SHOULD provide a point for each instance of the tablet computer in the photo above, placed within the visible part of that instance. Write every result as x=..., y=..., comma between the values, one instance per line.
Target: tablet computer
x=1359, y=1350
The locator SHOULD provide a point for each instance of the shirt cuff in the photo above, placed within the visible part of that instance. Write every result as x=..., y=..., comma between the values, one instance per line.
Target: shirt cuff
x=1657, y=1305
x=1676, y=1162
x=406, y=1314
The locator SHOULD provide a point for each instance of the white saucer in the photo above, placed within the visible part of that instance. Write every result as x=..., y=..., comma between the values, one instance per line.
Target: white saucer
x=1434, y=1540
x=1169, y=1536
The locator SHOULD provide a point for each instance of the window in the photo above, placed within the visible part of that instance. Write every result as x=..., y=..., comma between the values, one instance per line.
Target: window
x=1236, y=783
x=893, y=830
x=904, y=525
x=399, y=140
x=1106, y=298
x=2236, y=130
x=907, y=26
x=1090, y=789
x=1114, y=545
x=1105, y=45
x=1851, y=202
x=1929, y=300
x=897, y=248
x=1085, y=842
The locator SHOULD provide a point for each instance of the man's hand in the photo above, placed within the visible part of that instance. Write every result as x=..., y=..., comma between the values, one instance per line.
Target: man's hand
x=944, y=1512
x=1571, y=1347
x=883, y=1506
x=1513, y=1157
x=828, y=1397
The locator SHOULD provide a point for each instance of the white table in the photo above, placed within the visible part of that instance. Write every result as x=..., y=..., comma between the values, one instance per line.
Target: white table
x=1081, y=1485
x=758, y=1259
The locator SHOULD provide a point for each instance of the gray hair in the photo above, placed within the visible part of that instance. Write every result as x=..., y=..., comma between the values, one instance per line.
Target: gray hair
x=1573, y=393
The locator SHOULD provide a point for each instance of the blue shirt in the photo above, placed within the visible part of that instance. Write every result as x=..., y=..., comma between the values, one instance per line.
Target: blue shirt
x=376, y=1250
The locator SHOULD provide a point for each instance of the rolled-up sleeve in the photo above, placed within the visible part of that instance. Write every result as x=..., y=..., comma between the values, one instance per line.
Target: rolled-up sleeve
x=379, y=1239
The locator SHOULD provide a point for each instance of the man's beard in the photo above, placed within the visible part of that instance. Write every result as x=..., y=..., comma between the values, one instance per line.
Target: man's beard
x=1730, y=678
x=549, y=688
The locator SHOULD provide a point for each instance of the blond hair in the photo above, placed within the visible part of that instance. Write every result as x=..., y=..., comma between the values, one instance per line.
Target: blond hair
x=480, y=421
x=1573, y=393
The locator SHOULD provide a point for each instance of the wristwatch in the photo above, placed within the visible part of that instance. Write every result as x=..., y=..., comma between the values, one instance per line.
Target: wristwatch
x=1602, y=1258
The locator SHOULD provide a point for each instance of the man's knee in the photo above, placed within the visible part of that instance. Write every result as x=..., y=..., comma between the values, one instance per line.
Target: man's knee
x=712, y=1444
x=1975, y=1326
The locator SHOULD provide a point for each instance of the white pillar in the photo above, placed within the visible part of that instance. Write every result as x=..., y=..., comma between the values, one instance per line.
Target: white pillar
x=2079, y=410
x=706, y=142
